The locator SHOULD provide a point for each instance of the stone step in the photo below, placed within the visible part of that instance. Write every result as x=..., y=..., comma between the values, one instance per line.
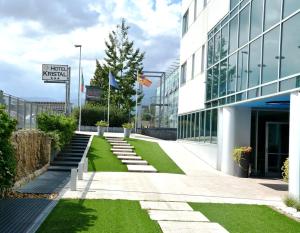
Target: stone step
x=73, y=150
x=64, y=163
x=70, y=154
x=191, y=227
x=65, y=158
x=162, y=205
x=122, y=147
x=141, y=168
x=120, y=144
x=134, y=162
x=124, y=153
x=60, y=168
x=121, y=150
x=122, y=157
x=114, y=141
x=171, y=215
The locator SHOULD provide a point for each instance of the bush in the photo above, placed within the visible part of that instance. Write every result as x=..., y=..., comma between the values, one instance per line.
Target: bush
x=7, y=156
x=292, y=202
x=285, y=170
x=91, y=114
x=102, y=124
x=60, y=128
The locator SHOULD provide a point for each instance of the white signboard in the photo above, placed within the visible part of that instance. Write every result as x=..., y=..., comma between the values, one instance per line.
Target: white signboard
x=55, y=73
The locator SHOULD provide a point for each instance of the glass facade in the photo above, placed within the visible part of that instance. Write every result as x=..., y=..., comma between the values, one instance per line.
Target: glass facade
x=254, y=51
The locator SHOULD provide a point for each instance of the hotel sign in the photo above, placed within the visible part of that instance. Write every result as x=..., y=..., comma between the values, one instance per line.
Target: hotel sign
x=55, y=73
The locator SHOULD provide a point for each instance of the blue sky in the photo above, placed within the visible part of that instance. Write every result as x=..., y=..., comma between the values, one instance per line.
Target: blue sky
x=34, y=32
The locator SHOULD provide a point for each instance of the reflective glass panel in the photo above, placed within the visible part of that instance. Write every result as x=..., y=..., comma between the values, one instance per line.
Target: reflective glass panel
x=197, y=125
x=270, y=56
x=244, y=26
x=214, y=125
x=269, y=89
x=215, y=81
x=242, y=69
x=202, y=124
x=290, y=6
x=224, y=41
x=231, y=74
x=256, y=18
x=222, y=83
x=210, y=52
x=254, y=63
x=233, y=3
x=207, y=125
x=290, y=47
x=217, y=47
x=290, y=84
x=272, y=12
x=209, y=84
x=233, y=32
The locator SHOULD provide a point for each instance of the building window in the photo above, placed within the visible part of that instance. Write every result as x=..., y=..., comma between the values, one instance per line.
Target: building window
x=193, y=66
x=183, y=74
x=272, y=12
x=185, y=22
x=224, y=41
x=208, y=84
x=231, y=74
x=233, y=34
x=242, y=73
x=290, y=6
x=195, y=9
x=254, y=63
x=210, y=52
x=202, y=58
x=256, y=17
x=244, y=26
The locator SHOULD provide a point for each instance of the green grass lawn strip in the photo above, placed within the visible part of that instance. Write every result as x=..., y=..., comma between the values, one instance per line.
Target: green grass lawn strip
x=247, y=218
x=99, y=216
x=102, y=159
x=152, y=152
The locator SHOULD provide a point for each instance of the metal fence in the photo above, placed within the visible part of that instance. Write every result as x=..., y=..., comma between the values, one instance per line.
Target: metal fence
x=23, y=111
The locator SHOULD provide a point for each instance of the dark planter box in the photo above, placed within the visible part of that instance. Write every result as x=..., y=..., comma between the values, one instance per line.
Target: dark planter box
x=242, y=169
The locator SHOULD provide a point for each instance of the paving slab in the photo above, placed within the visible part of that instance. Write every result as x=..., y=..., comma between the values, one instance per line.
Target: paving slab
x=134, y=162
x=123, y=147
x=191, y=227
x=161, y=205
x=141, y=168
x=124, y=153
x=171, y=215
x=121, y=157
x=121, y=150
x=120, y=144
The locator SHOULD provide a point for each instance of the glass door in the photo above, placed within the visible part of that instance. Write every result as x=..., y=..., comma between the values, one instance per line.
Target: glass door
x=277, y=147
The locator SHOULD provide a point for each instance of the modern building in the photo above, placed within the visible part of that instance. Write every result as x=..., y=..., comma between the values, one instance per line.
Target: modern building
x=240, y=82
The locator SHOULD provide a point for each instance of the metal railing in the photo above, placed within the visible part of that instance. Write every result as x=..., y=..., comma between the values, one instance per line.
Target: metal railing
x=25, y=112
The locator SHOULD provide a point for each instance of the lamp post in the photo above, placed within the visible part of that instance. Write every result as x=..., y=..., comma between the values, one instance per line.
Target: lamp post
x=79, y=86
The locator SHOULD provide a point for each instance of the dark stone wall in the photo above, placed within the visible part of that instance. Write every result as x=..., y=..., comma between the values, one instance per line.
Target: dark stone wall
x=161, y=133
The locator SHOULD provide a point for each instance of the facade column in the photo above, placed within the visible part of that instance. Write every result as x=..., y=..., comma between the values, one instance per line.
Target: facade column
x=236, y=132
x=294, y=147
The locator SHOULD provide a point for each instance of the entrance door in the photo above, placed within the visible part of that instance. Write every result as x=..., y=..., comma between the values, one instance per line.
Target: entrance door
x=277, y=147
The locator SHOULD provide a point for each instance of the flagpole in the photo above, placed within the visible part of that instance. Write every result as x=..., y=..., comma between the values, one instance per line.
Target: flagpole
x=136, y=100
x=108, y=101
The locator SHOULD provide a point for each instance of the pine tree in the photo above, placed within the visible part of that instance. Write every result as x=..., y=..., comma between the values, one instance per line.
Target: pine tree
x=123, y=61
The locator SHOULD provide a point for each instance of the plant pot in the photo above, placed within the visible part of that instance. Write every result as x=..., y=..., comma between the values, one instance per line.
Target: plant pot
x=242, y=169
x=100, y=130
x=127, y=133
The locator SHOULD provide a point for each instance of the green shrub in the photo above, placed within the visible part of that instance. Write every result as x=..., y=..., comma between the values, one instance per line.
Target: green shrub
x=289, y=201
x=7, y=156
x=285, y=170
x=102, y=124
x=127, y=125
x=91, y=114
x=60, y=128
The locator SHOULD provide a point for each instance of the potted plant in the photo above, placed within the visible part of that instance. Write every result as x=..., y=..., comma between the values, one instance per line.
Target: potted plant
x=101, y=125
x=241, y=157
x=127, y=129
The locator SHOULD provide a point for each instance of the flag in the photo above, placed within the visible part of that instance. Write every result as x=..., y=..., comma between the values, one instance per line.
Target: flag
x=112, y=80
x=144, y=81
x=82, y=83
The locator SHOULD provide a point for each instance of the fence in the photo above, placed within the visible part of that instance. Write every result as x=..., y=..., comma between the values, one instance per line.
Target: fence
x=23, y=111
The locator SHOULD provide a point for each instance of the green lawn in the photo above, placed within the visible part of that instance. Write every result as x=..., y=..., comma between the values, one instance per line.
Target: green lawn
x=247, y=218
x=99, y=216
x=151, y=152
x=102, y=159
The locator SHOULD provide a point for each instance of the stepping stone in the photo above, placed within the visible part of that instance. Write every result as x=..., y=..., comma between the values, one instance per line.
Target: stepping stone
x=122, y=157
x=161, y=205
x=134, y=162
x=120, y=144
x=123, y=147
x=121, y=150
x=191, y=227
x=124, y=153
x=171, y=215
x=141, y=168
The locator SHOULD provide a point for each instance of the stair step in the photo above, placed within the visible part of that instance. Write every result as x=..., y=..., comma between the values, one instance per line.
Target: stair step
x=64, y=163
x=60, y=168
x=70, y=154
x=134, y=162
x=66, y=158
x=141, y=168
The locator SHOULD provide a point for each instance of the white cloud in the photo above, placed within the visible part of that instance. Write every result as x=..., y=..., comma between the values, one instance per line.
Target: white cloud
x=33, y=38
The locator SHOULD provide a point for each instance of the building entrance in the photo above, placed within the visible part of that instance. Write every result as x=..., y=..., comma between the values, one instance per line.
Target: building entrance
x=277, y=147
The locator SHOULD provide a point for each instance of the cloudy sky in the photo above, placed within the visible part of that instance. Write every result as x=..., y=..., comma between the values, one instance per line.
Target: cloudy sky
x=34, y=32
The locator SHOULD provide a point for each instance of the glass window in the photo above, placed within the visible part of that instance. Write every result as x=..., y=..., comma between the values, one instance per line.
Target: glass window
x=215, y=82
x=179, y=128
x=254, y=63
x=202, y=125
x=210, y=52
x=209, y=84
x=214, y=125
x=290, y=84
x=272, y=13
x=233, y=3
x=185, y=22
x=242, y=69
x=244, y=26
x=269, y=89
x=217, y=47
x=270, y=56
x=197, y=126
x=223, y=72
x=233, y=30
x=192, y=124
x=207, y=126
x=290, y=6
x=290, y=47
x=256, y=18
x=231, y=74
x=253, y=93
x=183, y=74
x=183, y=128
x=224, y=41
x=189, y=124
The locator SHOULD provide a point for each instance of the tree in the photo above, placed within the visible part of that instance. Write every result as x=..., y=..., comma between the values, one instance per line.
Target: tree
x=123, y=61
